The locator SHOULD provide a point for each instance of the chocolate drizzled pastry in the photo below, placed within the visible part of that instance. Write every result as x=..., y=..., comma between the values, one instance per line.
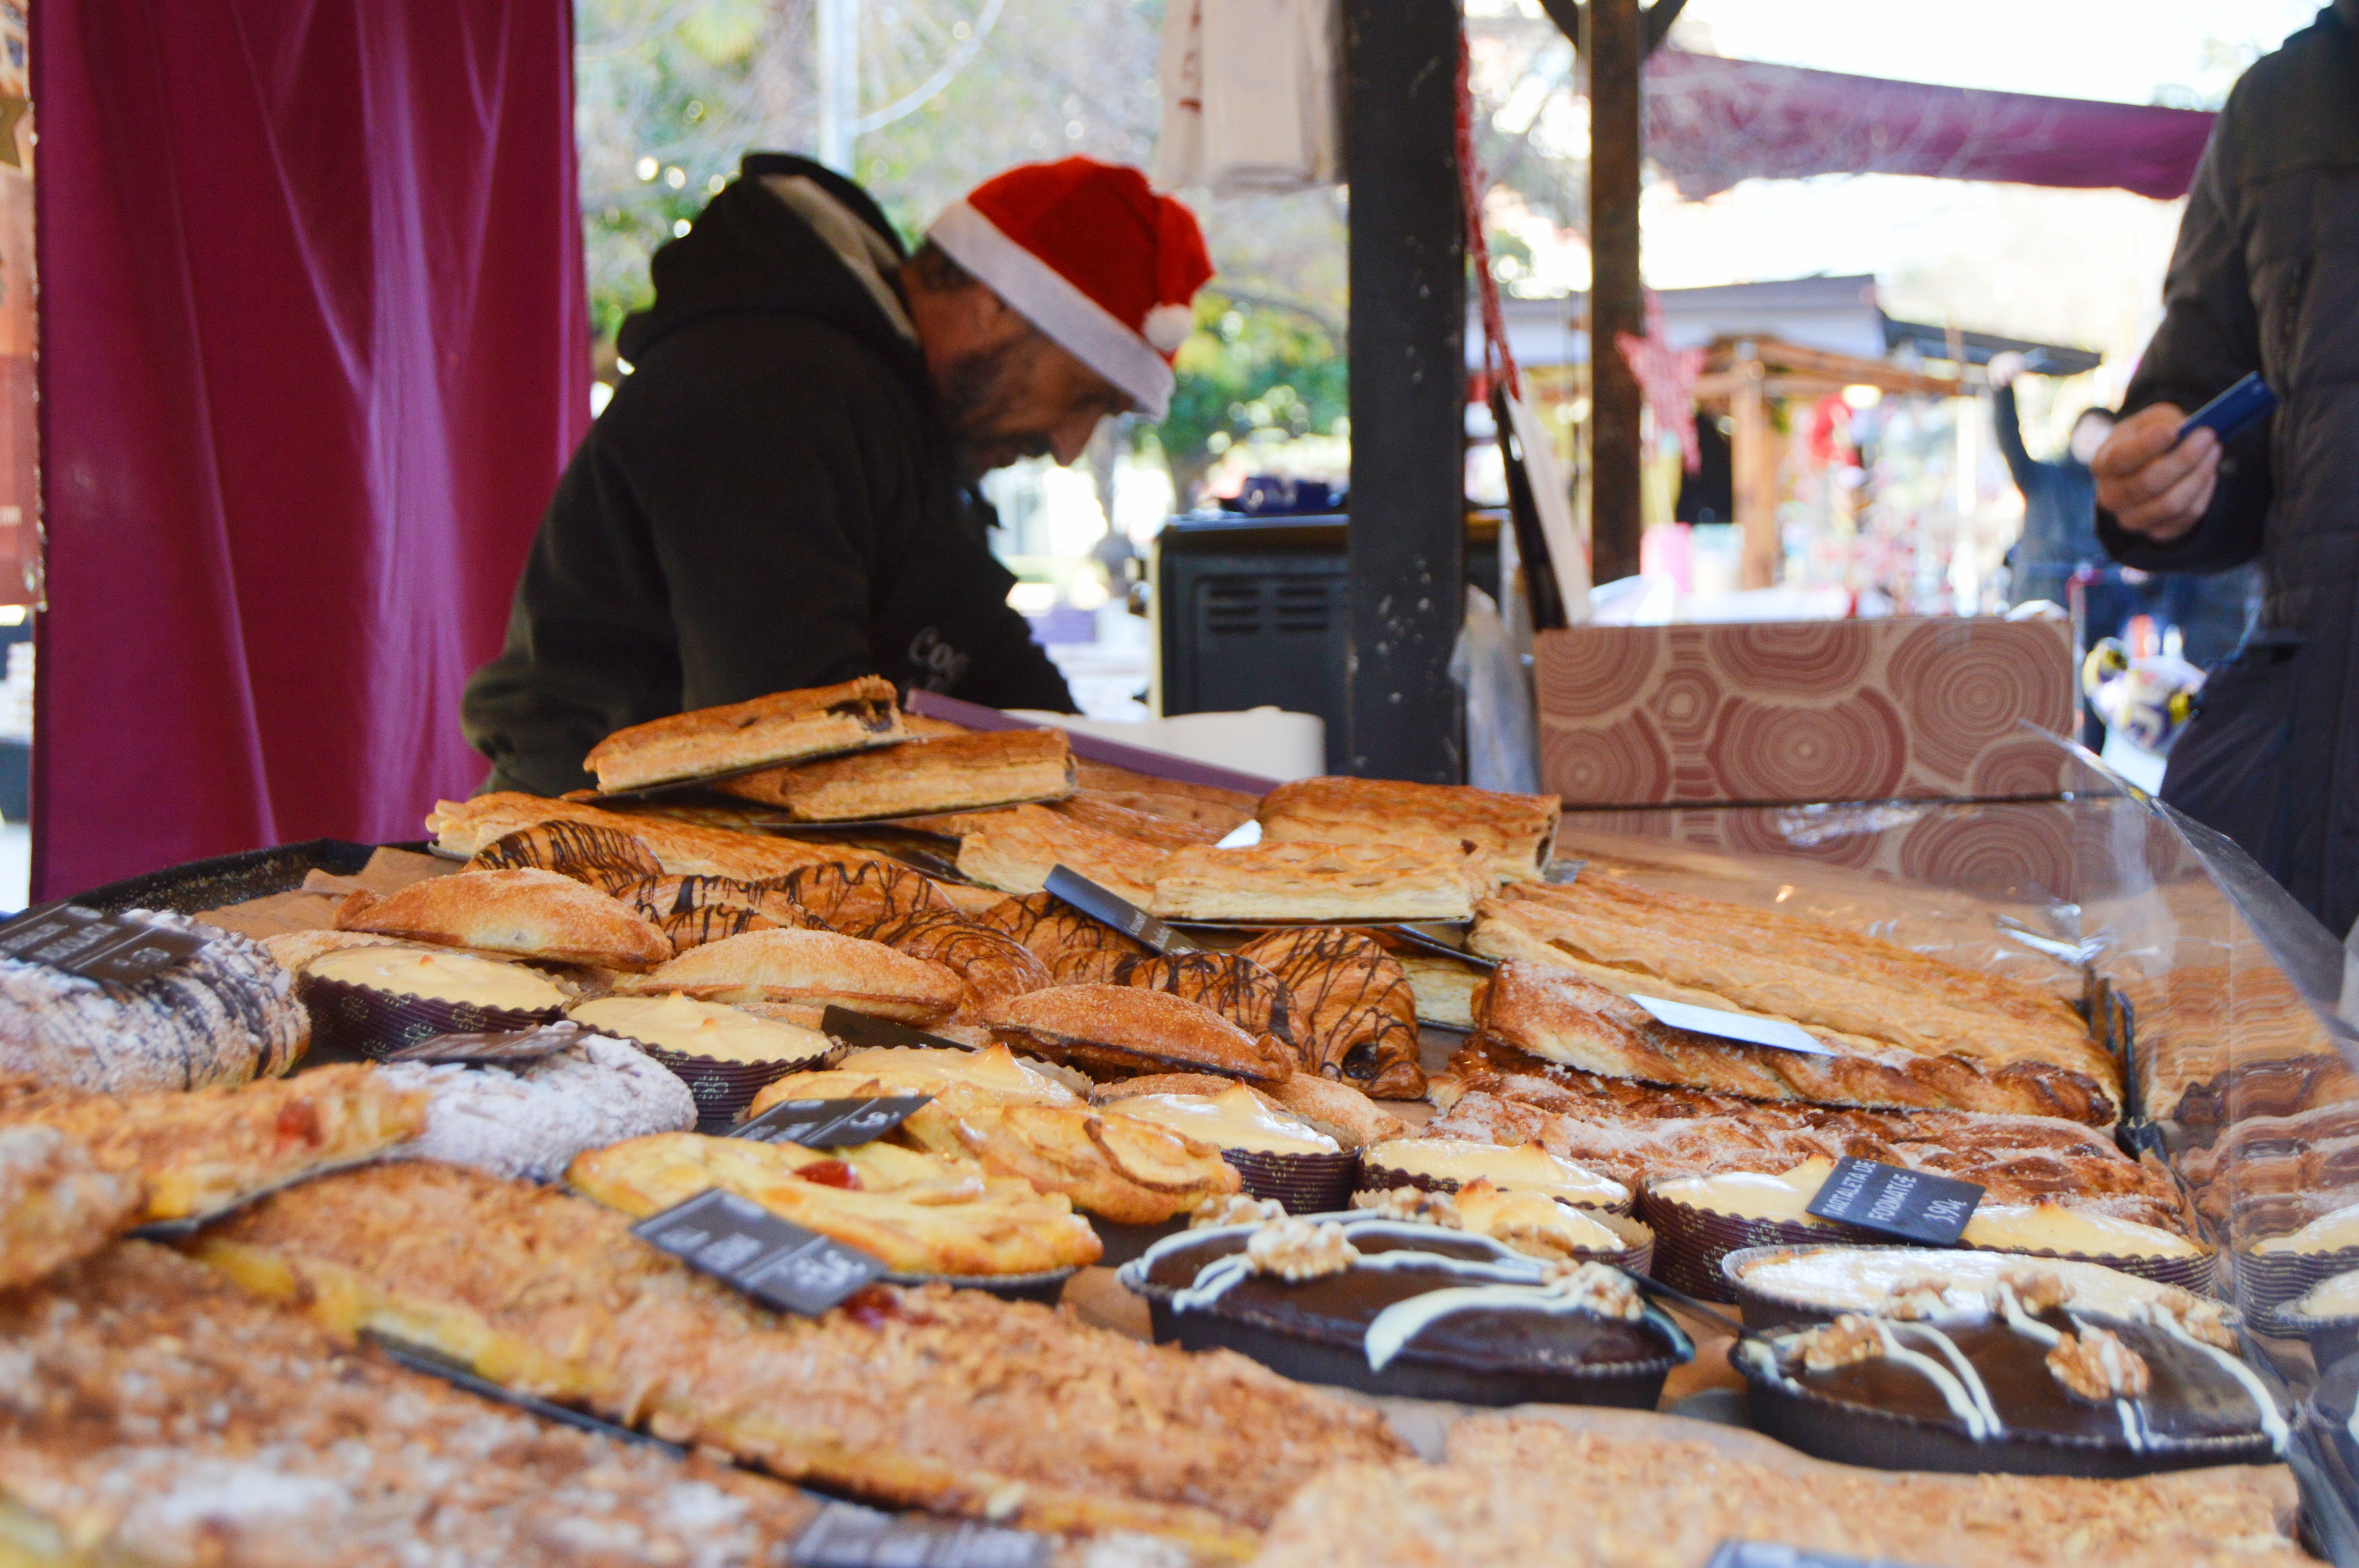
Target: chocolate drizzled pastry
x=1353, y=1014
x=1115, y=1032
x=605, y=858
x=714, y=923
x=1229, y=983
x=992, y=963
x=667, y=900
x=1054, y=929
x=856, y=899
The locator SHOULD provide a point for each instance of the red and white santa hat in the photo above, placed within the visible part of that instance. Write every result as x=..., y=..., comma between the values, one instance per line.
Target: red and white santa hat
x=1091, y=256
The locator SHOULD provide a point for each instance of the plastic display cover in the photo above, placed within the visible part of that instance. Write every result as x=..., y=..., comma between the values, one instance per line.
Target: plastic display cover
x=2236, y=1010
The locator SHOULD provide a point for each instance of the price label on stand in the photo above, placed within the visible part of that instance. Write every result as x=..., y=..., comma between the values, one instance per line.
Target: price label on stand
x=1743, y=1027
x=1112, y=909
x=96, y=947
x=1915, y=1204
x=830, y=1123
x=748, y=1249
x=846, y=1535
x=841, y=1024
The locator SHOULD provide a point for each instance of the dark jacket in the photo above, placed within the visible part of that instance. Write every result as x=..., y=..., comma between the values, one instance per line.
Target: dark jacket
x=2266, y=277
x=771, y=500
x=2059, y=510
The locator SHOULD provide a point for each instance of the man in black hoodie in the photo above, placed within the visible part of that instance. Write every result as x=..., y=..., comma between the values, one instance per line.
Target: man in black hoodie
x=781, y=493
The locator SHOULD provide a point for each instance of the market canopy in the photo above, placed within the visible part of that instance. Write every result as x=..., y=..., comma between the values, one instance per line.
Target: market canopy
x=1711, y=121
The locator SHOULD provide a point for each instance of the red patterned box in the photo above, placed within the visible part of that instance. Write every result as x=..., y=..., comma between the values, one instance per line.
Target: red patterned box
x=1803, y=710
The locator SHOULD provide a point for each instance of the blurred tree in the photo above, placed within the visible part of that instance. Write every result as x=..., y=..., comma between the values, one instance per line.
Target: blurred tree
x=1264, y=369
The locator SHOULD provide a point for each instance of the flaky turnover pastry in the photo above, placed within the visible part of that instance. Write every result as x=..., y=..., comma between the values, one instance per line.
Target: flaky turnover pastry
x=819, y=968
x=992, y=963
x=1116, y=1031
x=531, y=913
x=953, y=773
x=1231, y=984
x=1355, y=1016
x=1514, y=835
x=855, y=897
x=784, y=727
x=602, y=857
x=685, y=849
x=1317, y=882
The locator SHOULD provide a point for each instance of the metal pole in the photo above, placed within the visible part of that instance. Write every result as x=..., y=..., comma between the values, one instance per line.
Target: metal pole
x=1616, y=53
x=839, y=80
x=1408, y=548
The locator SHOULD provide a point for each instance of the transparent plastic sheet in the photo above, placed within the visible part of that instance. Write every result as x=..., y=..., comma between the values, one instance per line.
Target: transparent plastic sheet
x=2244, y=1080
x=1502, y=745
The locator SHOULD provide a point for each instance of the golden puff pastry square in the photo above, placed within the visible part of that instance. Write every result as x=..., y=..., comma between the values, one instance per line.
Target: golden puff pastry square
x=784, y=727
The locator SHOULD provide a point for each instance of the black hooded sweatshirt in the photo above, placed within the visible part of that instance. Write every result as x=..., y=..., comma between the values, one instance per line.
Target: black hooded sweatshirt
x=771, y=500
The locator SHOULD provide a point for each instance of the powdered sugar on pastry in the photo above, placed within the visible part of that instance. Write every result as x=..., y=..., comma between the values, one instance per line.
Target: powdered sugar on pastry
x=532, y=1121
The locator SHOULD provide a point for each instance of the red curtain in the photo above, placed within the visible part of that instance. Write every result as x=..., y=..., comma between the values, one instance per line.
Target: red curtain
x=314, y=348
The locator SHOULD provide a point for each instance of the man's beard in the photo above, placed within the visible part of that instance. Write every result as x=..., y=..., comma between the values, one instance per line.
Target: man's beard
x=974, y=395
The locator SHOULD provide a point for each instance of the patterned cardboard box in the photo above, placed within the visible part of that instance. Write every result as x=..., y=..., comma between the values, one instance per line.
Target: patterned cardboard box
x=1805, y=710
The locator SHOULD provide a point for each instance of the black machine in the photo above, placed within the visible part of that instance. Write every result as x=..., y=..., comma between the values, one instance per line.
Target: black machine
x=1253, y=611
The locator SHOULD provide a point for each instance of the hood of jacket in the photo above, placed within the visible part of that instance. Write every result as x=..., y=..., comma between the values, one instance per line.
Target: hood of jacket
x=751, y=251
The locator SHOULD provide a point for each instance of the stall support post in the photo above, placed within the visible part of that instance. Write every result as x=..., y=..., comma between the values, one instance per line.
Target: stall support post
x=1616, y=53
x=1407, y=538
x=1753, y=470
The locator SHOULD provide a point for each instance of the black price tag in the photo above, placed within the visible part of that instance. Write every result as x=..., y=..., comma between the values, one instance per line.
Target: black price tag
x=1915, y=1205
x=1113, y=910
x=852, y=1028
x=96, y=947
x=830, y=1123
x=846, y=1535
x=1773, y=1554
x=748, y=1248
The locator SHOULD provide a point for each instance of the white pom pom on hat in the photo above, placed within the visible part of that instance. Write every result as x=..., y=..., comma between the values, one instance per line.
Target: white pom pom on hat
x=1168, y=325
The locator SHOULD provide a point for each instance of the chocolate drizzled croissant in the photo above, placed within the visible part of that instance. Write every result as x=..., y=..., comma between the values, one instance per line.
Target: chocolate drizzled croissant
x=605, y=858
x=1053, y=929
x=992, y=963
x=1232, y=984
x=694, y=927
x=858, y=898
x=1354, y=1016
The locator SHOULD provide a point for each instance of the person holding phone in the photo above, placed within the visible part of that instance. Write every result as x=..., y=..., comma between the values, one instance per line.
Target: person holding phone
x=2265, y=279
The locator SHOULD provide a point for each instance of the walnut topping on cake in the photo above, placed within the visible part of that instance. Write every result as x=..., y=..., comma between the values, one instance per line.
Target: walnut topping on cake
x=2037, y=1290
x=1911, y=1300
x=1235, y=1209
x=1294, y=1248
x=1849, y=1338
x=1606, y=1292
x=2197, y=1319
x=1412, y=1205
x=2096, y=1365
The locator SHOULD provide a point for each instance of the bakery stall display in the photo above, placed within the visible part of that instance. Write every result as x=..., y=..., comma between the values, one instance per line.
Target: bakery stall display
x=1514, y=1490
x=1365, y=1301
x=2033, y=1372
x=158, y=1415
x=785, y=727
x=950, y=1400
x=926, y=774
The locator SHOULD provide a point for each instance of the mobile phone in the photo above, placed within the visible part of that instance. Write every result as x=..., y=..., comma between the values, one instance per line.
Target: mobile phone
x=2232, y=413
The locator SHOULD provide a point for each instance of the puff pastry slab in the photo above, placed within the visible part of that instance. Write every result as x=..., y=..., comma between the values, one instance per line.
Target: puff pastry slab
x=784, y=727
x=531, y=913
x=1221, y=811
x=951, y=772
x=1372, y=882
x=1513, y=834
x=1014, y=850
x=813, y=967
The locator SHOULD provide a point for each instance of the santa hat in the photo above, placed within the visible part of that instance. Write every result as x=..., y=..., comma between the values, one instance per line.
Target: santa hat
x=1091, y=256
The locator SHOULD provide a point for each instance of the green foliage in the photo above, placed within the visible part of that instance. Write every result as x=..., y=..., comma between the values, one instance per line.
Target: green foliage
x=1252, y=370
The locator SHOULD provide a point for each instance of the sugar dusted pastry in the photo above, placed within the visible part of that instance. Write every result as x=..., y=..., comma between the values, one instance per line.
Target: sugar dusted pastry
x=1116, y=1031
x=950, y=772
x=855, y=897
x=1355, y=1016
x=158, y=1415
x=1355, y=1118
x=992, y=963
x=685, y=849
x=530, y=1120
x=812, y=967
x=950, y=1400
x=196, y=1152
x=223, y=1015
x=1317, y=882
x=784, y=727
x=531, y=913
x=1514, y=834
x=56, y=1205
x=1015, y=849
x=919, y=1214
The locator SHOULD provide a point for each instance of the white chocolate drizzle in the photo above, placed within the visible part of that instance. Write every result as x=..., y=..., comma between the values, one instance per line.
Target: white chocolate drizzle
x=2272, y=1420
x=1972, y=1404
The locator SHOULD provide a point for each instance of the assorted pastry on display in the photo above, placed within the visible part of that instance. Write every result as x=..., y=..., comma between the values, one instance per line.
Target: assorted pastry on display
x=927, y=774
x=785, y=727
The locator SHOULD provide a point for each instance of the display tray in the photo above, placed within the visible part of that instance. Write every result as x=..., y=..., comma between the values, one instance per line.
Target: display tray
x=202, y=885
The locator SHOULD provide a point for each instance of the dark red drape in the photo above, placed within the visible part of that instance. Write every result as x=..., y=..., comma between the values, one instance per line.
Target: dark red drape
x=1711, y=121
x=314, y=351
